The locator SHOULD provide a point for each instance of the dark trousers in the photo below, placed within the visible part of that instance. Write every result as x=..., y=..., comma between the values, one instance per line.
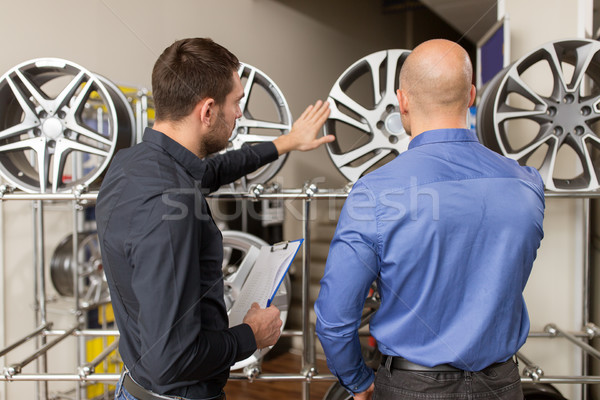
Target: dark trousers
x=498, y=382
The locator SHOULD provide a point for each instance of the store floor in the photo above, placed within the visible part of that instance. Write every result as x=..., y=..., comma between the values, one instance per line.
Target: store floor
x=262, y=390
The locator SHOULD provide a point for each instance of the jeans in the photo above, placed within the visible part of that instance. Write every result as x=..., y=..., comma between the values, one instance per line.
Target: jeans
x=498, y=382
x=122, y=394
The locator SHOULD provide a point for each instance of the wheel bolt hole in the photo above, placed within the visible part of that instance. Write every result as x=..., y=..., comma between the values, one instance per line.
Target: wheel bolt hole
x=551, y=111
x=569, y=99
x=241, y=131
x=43, y=114
x=51, y=144
x=37, y=131
x=390, y=108
x=585, y=111
x=558, y=130
x=393, y=139
x=380, y=125
x=579, y=130
x=62, y=114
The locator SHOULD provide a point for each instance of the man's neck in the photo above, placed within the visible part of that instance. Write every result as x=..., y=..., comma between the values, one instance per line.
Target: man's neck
x=424, y=125
x=180, y=132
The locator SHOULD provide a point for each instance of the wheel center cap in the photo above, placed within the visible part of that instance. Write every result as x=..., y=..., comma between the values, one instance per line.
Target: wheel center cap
x=52, y=128
x=393, y=123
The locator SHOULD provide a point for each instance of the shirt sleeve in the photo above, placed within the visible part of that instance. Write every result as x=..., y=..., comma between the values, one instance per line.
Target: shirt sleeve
x=226, y=168
x=170, y=284
x=352, y=265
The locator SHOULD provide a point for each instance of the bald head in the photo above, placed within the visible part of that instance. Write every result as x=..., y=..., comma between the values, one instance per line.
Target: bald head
x=436, y=77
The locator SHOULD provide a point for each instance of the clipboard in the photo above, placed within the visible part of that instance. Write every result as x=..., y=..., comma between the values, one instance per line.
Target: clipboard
x=261, y=285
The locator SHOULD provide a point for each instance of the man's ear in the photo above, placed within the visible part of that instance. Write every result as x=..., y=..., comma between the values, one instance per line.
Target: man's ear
x=472, y=94
x=205, y=110
x=402, y=101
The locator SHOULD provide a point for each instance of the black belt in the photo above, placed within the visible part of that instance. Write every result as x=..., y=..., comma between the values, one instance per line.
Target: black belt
x=141, y=393
x=404, y=364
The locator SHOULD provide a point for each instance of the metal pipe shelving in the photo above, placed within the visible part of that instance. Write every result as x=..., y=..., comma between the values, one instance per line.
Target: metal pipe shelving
x=81, y=196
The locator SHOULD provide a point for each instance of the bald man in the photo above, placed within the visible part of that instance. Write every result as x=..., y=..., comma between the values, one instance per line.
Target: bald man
x=448, y=231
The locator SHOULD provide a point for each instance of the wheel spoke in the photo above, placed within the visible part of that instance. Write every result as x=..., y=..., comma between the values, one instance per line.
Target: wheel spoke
x=237, y=279
x=280, y=301
x=33, y=144
x=43, y=157
x=585, y=54
x=338, y=95
x=516, y=85
x=89, y=133
x=514, y=113
x=374, y=63
x=73, y=145
x=18, y=129
x=530, y=149
x=88, y=295
x=38, y=145
x=342, y=160
x=392, y=73
x=81, y=97
x=35, y=92
x=336, y=114
x=588, y=159
x=247, y=89
x=26, y=105
x=67, y=93
x=547, y=168
x=556, y=67
x=253, y=123
x=356, y=172
x=253, y=138
x=61, y=149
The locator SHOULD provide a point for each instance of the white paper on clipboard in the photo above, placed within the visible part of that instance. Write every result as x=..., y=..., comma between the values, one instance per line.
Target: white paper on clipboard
x=264, y=279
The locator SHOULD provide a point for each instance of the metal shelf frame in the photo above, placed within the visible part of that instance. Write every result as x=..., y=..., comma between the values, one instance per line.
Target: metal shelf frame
x=80, y=196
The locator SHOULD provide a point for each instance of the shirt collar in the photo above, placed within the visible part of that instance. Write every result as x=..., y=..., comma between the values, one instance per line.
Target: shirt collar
x=192, y=163
x=443, y=136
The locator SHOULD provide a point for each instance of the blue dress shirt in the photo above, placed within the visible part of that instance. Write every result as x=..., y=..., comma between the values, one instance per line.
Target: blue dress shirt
x=449, y=231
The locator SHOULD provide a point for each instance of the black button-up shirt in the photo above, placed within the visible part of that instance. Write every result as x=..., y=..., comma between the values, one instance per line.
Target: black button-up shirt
x=162, y=254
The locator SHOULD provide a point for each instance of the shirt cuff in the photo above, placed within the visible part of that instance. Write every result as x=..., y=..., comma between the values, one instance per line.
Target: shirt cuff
x=367, y=377
x=266, y=151
x=246, y=344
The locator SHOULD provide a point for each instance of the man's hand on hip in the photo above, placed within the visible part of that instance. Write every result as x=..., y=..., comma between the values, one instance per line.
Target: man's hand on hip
x=265, y=323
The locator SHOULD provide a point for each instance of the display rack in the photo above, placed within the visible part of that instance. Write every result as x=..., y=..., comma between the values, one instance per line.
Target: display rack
x=48, y=337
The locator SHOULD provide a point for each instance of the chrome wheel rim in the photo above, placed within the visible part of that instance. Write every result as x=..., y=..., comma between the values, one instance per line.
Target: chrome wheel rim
x=265, y=116
x=55, y=114
x=552, y=126
x=239, y=254
x=365, y=118
x=93, y=287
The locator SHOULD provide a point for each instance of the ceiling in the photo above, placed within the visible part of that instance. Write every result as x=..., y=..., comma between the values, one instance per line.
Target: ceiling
x=471, y=18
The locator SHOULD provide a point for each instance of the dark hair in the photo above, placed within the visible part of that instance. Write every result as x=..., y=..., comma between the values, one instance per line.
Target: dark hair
x=188, y=71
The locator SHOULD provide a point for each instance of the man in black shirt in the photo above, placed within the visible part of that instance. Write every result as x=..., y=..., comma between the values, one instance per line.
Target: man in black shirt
x=162, y=252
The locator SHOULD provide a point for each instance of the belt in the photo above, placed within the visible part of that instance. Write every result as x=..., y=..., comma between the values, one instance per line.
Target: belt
x=404, y=364
x=137, y=391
